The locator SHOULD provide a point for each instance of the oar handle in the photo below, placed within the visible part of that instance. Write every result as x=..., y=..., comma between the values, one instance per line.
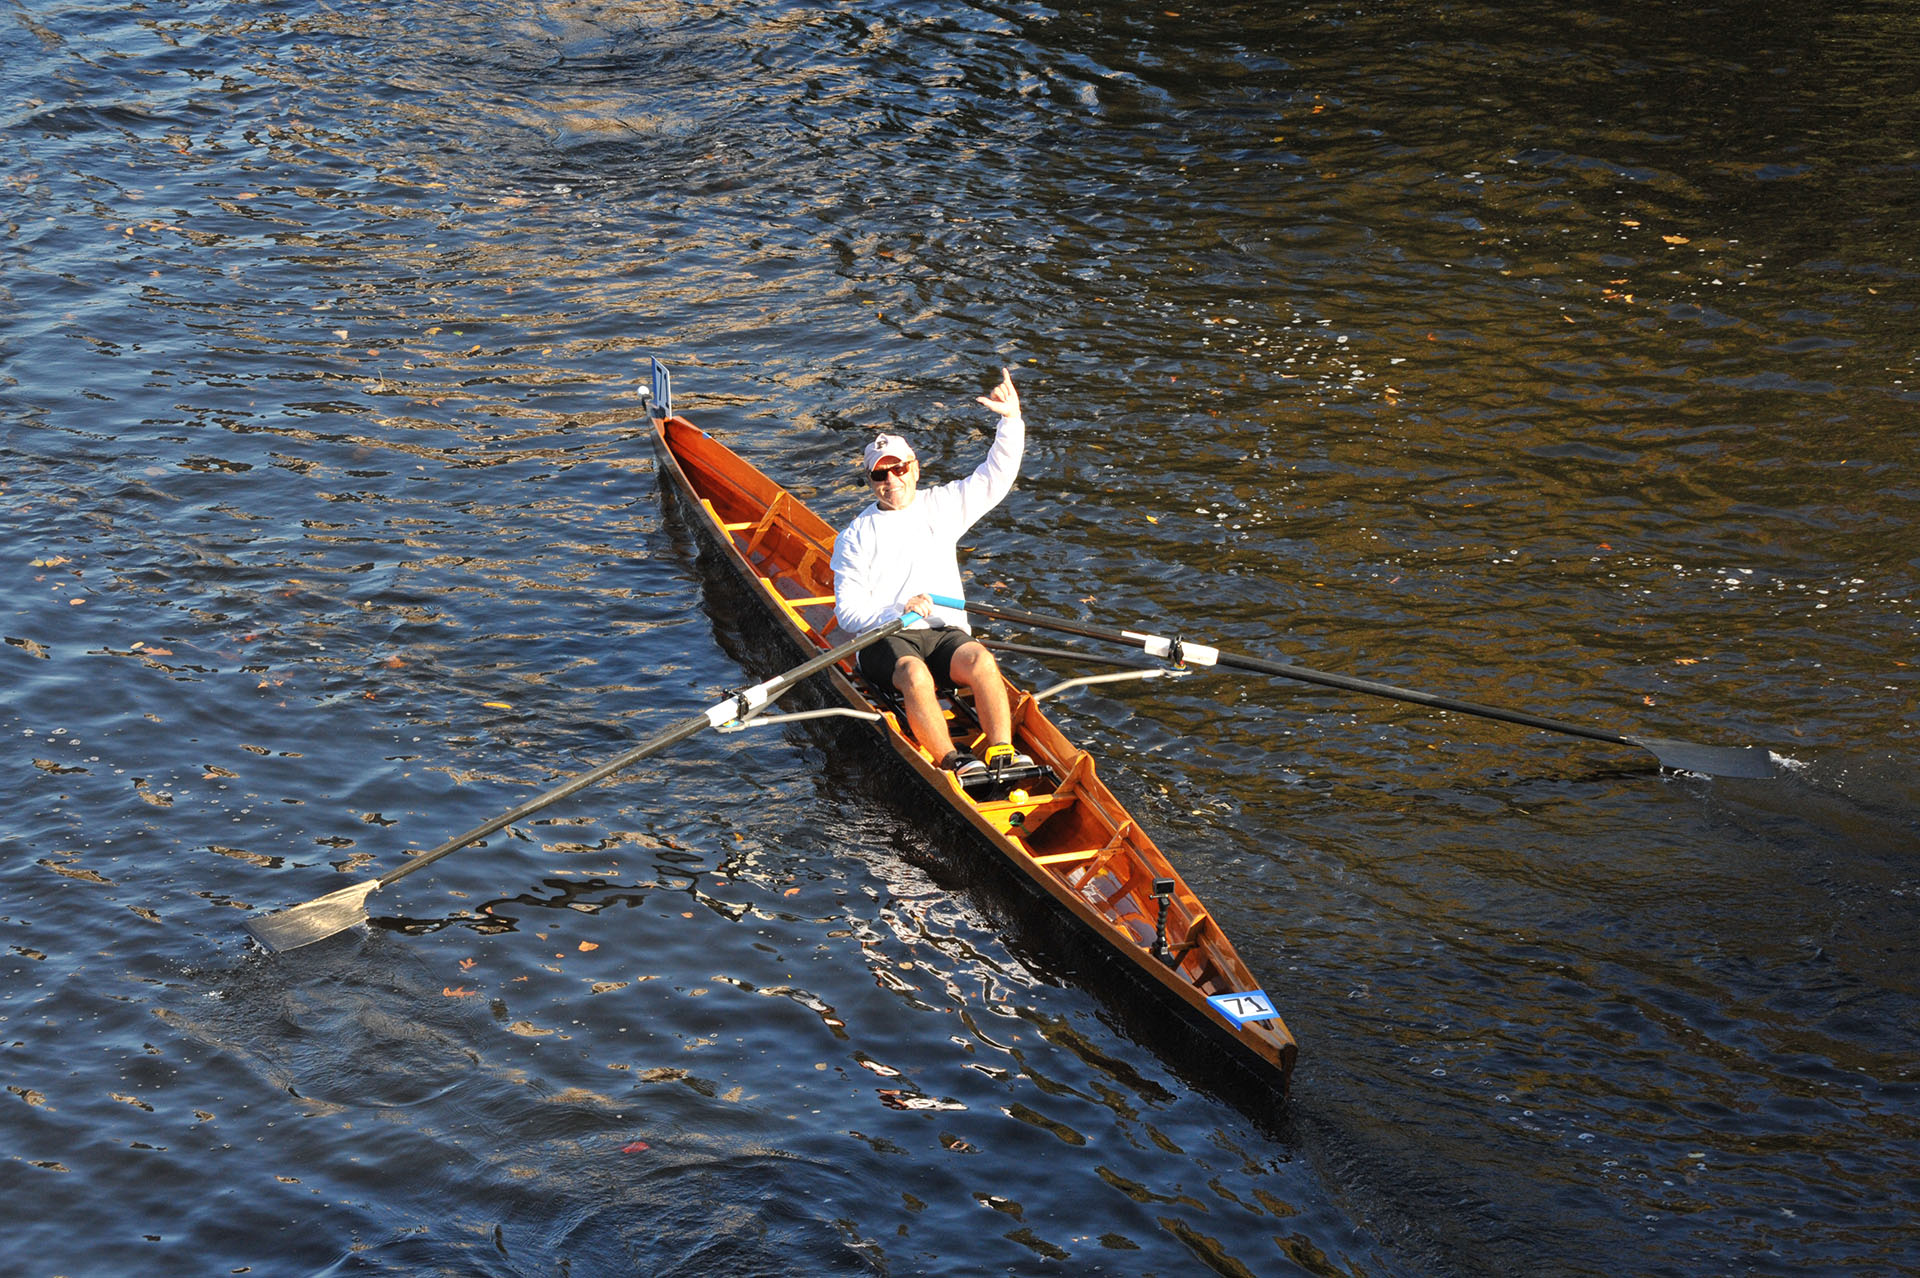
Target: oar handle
x=740, y=703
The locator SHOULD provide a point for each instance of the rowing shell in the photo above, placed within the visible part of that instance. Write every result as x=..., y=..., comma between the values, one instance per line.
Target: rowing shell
x=1057, y=825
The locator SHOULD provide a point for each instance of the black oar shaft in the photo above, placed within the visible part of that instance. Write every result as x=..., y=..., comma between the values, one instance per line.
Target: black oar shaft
x=343, y=908
x=1288, y=670
x=741, y=703
x=1200, y=654
x=1748, y=761
x=652, y=745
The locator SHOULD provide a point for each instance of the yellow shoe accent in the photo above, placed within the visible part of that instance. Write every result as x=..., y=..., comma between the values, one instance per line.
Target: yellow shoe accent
x=1005, y=756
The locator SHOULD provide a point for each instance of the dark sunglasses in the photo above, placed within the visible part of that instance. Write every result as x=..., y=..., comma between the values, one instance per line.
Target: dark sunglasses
x=879, y=476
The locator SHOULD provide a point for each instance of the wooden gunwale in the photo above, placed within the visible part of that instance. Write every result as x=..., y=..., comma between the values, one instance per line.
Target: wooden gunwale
x=1069, y=836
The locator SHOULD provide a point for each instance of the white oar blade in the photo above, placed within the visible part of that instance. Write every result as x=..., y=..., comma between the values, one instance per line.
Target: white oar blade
x=313, y=920
x=1754, y=762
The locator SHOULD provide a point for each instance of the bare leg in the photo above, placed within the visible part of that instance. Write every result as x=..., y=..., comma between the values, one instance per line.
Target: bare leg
x=974, y=668
x=917, y=693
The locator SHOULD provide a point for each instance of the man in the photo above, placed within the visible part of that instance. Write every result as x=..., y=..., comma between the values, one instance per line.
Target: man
x=903, y=548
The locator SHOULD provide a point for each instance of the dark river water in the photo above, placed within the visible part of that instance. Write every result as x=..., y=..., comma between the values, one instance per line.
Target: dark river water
x=1554, y=357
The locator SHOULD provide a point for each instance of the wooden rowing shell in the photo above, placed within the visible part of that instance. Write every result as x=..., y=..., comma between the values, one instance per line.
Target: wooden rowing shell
x=1058, y=827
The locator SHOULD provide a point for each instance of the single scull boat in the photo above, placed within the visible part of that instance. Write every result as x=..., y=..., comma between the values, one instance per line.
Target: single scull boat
x=1055, y=824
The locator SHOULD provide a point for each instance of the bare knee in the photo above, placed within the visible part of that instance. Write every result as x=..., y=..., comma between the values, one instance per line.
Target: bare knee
x=972, y=664
x=911, y=674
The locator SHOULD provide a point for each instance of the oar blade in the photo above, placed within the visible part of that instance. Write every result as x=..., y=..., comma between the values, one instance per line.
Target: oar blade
x=314, y=920
x=1755, y=762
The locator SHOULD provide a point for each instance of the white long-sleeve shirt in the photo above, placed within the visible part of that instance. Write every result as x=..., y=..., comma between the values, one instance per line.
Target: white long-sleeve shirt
x=885, y=557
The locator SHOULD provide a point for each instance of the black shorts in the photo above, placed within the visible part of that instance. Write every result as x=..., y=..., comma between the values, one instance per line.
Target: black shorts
x=936, y=647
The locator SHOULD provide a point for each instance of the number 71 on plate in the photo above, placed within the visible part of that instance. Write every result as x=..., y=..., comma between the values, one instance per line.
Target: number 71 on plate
x=1244, y=1006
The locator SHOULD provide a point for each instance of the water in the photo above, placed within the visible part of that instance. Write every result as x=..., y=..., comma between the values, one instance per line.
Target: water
x=1550, y=357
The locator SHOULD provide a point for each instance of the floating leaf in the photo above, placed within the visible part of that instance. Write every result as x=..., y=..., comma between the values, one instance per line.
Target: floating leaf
x=497, y=705
x=636, y=1147
x=455, y=991
x=589, y=945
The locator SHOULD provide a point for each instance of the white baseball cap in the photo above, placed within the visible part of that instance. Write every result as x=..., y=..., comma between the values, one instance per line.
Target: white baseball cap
x=885, y=446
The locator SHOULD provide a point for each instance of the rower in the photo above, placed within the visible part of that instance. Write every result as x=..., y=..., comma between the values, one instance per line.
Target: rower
x=904, y=547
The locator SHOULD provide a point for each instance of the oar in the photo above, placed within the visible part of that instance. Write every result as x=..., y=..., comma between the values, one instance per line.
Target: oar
x=1682, y=756
x=323, y=916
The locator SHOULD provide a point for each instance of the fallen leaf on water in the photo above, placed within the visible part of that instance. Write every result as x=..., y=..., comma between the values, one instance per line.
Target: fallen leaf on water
x=1686, y=661
x=637, y=1147
x=456, y=991
x=1675, y=239
x=53, y=562
x=466, y=964
x=1648, y=699
x=589, y=945
x=393, y=663
x=497, y=705
x=789, y=892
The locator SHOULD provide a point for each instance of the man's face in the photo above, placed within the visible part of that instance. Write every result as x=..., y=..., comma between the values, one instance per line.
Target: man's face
x=893, y=482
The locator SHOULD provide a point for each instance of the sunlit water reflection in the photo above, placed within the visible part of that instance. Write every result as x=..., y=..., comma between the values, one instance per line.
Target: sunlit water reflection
x=1552, y=358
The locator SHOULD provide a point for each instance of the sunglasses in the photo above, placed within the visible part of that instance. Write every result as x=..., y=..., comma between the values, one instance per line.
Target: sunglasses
x=879, y=475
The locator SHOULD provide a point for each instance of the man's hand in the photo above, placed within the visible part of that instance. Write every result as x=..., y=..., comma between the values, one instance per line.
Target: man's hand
x=1003, y=399
x=922, y=605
